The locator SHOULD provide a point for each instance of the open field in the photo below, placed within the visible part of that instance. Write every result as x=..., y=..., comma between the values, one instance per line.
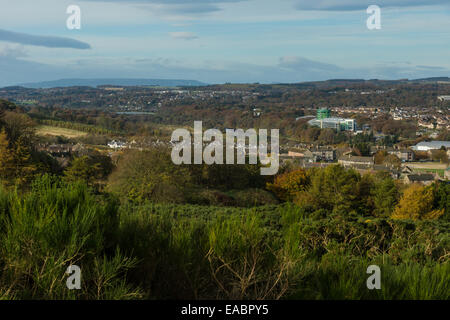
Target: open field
x=432, y=167
x=56, y=131
x=440, y=172
x=427, y=165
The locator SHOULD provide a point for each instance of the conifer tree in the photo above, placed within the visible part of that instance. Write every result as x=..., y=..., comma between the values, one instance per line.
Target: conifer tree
x=6, y=158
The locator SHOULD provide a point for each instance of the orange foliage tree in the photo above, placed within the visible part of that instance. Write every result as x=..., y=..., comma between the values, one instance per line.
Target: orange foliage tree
x=417, y=204
x=286, y=186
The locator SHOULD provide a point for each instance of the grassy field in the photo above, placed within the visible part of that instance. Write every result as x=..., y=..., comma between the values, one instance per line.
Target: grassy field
x=427, y=165
x=440, y=172
x=432, y=167
x=55, y=131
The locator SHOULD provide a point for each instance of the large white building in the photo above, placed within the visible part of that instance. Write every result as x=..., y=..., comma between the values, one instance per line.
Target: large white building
x=339, y=124
x=444, y=98
x=431, y=145
x=324, y=120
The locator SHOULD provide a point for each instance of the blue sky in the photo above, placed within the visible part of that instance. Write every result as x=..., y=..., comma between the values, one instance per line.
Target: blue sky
x=217, y=41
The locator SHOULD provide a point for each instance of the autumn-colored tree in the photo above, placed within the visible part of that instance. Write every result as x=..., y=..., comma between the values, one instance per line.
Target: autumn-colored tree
x=440, y=155
x=327, y=136
x=17, y=125
x=392, y=161
x=286, y=186
x=150, y=175
x=380, y=156
x=417, y=204
x=421, y=155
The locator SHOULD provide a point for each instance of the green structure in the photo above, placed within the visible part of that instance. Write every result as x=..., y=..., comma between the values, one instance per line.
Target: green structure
x=323, y=114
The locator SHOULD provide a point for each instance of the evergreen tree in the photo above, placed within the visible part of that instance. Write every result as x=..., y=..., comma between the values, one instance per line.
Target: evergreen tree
x=6, y=158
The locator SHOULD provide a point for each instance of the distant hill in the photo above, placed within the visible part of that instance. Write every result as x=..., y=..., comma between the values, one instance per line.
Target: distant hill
x=194, y=83
x=435, y=79
x=112, y=82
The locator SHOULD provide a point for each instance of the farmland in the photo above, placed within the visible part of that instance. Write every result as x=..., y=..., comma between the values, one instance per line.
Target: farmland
x=56, y=131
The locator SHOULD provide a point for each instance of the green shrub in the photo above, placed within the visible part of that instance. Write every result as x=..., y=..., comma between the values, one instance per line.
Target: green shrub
x=46, y=230
x=169, y=251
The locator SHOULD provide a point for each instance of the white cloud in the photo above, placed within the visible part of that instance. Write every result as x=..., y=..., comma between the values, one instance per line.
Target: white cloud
x=183, y=35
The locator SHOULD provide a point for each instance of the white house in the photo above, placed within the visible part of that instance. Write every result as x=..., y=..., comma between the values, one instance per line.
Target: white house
x=116, y=144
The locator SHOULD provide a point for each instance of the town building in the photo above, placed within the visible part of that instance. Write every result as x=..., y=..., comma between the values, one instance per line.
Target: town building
x=431, y=145
x=117, y=144
x=324, y=120
x=404, y=155
x=314, y=154
x=356, y=162
x=423, y=178
x=321, y=154
x=323, y=114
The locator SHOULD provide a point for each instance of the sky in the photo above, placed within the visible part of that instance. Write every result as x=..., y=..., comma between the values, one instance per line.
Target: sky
x=218, y=41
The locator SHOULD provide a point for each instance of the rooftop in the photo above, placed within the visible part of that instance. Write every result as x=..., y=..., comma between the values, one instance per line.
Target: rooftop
x=434, y=144
x=421, y=177
x=357, y=159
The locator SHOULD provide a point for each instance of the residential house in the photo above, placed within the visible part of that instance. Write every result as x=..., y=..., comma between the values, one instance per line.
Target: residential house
x=423, y=178
x=323, y=154
x=116, y=144
x=404, y=155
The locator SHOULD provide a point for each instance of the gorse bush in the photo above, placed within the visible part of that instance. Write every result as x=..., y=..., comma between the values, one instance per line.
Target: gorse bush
x=168, y=251
x=246, y=260
x=53, y=226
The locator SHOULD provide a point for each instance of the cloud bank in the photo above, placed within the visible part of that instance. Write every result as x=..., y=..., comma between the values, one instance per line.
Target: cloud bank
x=43, y=41
x=179, y=6
x=288, y=69
x=350, y=5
